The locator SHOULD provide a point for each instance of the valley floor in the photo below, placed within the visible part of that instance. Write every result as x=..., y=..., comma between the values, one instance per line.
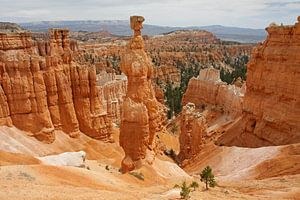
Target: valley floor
x=242, y=173
x=49, y=182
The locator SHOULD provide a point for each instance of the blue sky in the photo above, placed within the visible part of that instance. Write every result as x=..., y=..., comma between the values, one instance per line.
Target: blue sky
x=240, y=13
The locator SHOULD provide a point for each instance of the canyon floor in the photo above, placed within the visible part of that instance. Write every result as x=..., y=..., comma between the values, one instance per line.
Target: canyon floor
x=240, y=172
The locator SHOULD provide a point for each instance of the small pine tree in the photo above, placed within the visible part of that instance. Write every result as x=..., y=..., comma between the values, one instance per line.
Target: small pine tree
x=208, y=177
x=185, y=191
x=194, y=185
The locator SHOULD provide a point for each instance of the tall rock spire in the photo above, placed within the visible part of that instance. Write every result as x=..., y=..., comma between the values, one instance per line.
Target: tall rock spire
x=141, y=117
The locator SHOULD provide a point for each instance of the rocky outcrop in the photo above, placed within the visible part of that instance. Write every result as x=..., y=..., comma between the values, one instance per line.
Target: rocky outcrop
x=7, y=27
x=42, y=89
x=92, y=118
x=272, y=101
x=193, y=131
x=141, y=117
x=113, y=90
x=159, y=94
x=167, y=74
x=11, y=41
x=208, y=89
x=23, y=85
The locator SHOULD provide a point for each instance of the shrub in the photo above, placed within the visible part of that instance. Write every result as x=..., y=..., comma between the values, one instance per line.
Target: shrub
x=194, y=185
x=207, y=177
x=185, y=191
x=172, y=154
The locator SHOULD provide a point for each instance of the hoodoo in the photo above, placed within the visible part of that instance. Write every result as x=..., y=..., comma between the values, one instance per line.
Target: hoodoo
x=193, y=131
x=43, y=89
x=141, y=113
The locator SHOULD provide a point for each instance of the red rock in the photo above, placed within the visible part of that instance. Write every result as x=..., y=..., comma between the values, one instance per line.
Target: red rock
x=113, y=89
x=43, y=89
x=208, y=89
x=89, y=111
x=15, y=41
x=271, y=105
x=141, y=112
x=190, y=48
x=193, y=130
x=159, y=94
x=167, y=74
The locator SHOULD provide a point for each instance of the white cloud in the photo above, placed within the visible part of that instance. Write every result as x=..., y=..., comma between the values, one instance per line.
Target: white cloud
x=244, y=13
x=38, y=13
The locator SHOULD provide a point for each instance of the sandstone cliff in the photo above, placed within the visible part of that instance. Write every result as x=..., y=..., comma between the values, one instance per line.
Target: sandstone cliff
x=141, y=113
x=208, y=89
x=42, y=89
x=272, y=101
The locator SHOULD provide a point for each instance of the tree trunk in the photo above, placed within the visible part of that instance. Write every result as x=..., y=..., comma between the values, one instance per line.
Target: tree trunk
x=206, y=184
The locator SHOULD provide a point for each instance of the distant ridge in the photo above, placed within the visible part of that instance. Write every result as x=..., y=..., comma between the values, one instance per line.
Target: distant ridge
x=236, y=34
x=7, y=27
x=121, y=27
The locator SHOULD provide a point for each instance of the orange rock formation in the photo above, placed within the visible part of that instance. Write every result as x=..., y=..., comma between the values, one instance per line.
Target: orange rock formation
x=272, y=101
x=167, y=74
x=193, y=130
x=190, y=49
x=141, y=117
x=113, y=90
x=42, y=89
x=208, y=89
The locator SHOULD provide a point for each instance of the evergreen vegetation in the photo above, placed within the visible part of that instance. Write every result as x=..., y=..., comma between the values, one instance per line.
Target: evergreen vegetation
x=173, y=95
x=207, y=177
x=172, y=154
x=194, y=185
x=186, y=189
x=239, y=65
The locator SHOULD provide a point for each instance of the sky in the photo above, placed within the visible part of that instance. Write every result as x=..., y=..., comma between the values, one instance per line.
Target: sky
x=239, y=13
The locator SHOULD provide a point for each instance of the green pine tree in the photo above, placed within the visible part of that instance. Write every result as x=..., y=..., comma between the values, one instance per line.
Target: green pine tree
x=194, y=185
x=207, y=177
x=185, y=191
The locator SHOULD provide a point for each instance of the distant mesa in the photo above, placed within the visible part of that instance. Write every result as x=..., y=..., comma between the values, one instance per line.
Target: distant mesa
x=122, y=28
x=7, y=27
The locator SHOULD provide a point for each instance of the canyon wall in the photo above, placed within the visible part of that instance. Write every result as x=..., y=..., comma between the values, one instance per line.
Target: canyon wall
x=141, y=113
x=208, y=89
x=272, y=101
x=43, y=89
